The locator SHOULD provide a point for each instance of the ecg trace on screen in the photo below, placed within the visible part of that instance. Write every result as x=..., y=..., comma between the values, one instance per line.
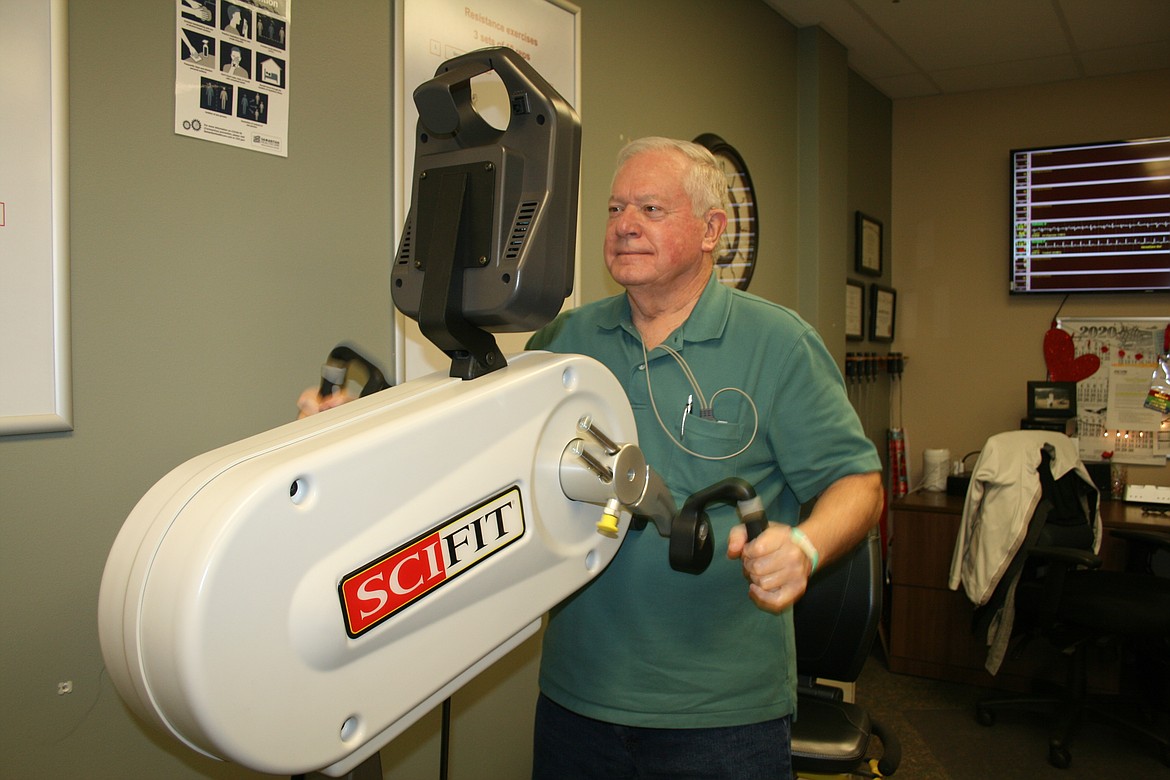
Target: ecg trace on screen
x=1092, y=217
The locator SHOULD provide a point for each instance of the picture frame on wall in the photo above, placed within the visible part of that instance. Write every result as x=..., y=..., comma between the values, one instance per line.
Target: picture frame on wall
x=883, y=304
x=868, y=252
x=854, y=311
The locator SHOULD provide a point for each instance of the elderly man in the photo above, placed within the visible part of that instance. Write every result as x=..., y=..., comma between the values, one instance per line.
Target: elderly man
x=647, y=672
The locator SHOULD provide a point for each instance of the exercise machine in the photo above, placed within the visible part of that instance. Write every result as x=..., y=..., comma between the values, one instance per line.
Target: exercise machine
x=293, y=601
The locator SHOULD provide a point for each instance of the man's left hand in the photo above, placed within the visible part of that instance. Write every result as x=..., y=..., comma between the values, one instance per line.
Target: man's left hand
x=776, y=568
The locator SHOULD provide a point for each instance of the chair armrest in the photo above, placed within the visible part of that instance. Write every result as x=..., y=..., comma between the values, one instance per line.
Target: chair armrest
x=1067, y=555
x=1154, y=538
x=809, y=686
x=1142, y=546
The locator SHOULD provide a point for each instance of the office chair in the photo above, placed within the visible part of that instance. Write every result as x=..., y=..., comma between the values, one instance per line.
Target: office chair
x=1062, y=594
x=836, y=622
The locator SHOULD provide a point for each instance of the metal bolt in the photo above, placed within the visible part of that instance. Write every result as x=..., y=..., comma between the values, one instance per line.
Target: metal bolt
x=603, y=472
x=586, y=424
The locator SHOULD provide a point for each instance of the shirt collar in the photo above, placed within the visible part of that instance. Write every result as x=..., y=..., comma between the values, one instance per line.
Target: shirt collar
x=707, y=320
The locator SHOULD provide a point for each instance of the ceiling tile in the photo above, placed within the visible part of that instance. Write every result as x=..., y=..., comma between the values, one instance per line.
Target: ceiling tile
x=1117, y=23
x=938, y=35
x=1110, y=62
x=906, y=86
x=999, y=75
x=881, y=59
x=918, y=47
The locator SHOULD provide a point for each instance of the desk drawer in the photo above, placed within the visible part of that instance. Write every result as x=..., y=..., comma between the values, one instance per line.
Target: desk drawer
x=923, y=543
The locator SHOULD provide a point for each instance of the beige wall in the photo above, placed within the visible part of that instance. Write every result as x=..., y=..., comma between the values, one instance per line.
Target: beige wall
x=971, y=346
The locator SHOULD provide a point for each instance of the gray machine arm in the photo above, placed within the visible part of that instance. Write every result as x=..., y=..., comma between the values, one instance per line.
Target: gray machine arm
x=615, y=475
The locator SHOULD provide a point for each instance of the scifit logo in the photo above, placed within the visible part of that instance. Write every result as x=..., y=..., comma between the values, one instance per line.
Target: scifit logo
x=372, y=593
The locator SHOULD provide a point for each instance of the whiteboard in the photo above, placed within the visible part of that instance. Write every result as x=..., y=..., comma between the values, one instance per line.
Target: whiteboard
x=35, y=390
x=430, y=32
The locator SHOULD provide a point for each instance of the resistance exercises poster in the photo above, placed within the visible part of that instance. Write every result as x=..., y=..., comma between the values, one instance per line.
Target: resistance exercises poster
x=231, y=74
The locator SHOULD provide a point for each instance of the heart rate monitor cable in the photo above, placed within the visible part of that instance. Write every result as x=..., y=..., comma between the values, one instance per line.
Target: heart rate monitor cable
x=706, y=407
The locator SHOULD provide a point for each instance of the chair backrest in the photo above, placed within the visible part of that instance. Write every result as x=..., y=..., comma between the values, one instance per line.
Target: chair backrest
x=837, y=617
x=1064, y=517
x=1066, y=509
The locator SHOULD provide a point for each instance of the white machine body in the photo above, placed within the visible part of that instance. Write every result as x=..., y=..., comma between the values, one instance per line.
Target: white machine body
x=294, y=601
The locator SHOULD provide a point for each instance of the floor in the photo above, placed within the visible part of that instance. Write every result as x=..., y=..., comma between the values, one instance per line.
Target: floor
x=941, y=740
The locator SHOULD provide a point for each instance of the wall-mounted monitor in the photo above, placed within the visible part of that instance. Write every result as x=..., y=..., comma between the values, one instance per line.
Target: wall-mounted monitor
x=1091, y=218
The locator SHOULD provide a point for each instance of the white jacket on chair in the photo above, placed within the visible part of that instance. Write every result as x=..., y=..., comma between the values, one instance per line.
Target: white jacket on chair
x=1005, y=491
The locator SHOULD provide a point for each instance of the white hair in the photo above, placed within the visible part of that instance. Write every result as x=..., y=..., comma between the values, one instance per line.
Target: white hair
x=703, y=181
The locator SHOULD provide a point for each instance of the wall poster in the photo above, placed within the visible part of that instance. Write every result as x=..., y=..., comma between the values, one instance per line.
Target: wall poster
x=36, y=394
x=545, y=32
x=1111, y=416
x=231, y=72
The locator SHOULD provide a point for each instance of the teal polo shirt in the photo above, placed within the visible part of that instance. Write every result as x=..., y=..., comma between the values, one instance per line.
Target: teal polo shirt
x=642, y=644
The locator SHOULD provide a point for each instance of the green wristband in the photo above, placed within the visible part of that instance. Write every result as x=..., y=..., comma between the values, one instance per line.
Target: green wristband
x=806, y=546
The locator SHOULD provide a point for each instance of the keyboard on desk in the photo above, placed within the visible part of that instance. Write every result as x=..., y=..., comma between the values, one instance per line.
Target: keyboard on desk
x=1147, y=494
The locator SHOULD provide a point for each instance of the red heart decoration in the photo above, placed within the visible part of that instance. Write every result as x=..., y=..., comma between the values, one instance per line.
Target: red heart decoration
x=1060, y=356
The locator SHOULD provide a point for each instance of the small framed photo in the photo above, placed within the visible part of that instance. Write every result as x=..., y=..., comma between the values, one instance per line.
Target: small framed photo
x=883, y=304
x=854, y=311
x=1052, y=399
x=868, y=252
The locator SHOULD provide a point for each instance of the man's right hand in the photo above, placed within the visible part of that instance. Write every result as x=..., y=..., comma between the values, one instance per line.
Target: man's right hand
x=311, y=401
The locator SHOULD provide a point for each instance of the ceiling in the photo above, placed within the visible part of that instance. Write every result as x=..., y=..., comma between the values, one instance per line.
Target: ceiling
x=912, y=48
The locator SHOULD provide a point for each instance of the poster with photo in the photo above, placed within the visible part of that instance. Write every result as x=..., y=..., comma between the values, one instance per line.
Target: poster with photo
x=231, y=72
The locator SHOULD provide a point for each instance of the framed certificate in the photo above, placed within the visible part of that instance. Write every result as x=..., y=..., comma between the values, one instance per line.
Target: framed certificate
x=868, y=255
x=854, y=311
x=883, y=306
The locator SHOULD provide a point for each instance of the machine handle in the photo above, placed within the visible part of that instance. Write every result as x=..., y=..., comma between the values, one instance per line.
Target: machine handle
x=691, y=546
x=337, y=367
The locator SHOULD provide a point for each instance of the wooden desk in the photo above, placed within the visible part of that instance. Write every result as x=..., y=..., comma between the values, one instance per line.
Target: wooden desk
x=930, y=625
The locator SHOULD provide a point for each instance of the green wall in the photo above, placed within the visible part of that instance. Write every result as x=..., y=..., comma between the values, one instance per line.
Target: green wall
x=208, y=283
x=666, y=68
x=869, y=180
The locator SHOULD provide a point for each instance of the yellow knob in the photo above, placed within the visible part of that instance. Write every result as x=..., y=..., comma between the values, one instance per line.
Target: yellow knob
x=608, y=525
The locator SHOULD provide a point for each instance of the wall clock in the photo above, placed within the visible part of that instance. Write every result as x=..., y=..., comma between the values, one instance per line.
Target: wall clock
x=735, y=259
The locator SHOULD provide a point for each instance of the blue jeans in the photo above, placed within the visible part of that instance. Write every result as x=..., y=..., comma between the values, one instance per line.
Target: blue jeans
x=568, y=746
